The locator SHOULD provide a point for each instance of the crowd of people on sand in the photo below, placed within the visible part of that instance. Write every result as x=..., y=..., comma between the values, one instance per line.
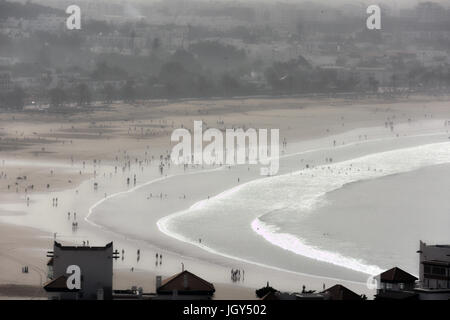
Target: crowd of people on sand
x=236, y=275
x=158, y=258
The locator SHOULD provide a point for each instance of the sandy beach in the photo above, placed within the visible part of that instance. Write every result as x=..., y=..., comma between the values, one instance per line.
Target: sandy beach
x=102, y=167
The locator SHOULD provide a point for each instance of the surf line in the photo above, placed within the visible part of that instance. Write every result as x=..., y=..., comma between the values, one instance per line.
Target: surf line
x=293, y=244
x=163, y=228
x=275, y=238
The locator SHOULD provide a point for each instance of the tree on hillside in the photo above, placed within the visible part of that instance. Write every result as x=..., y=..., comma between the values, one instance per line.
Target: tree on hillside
x=109, y=93
x=103, y=71
x=83, y=95
x=229, y=84
x=57, y=97
x=128, y=91
x=13, y=99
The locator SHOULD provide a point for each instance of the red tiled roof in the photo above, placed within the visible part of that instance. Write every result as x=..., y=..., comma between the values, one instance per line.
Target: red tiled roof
x=397, y=275
x=339, y=292
x=58, y=285
x=186, y=282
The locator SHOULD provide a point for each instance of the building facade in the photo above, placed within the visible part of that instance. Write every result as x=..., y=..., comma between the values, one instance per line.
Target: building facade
x=96, y=265
x=434, y=268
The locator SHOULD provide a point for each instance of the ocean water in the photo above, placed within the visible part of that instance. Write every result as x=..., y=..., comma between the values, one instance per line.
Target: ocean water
x=288, y=221
x=385, y=217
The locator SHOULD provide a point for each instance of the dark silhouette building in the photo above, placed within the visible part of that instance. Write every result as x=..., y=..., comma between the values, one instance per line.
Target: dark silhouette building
x=339, y=292
x=96, y=266
x=184, y=285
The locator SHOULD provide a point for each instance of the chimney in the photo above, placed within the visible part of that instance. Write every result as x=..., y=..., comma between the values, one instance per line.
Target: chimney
x=158, y=282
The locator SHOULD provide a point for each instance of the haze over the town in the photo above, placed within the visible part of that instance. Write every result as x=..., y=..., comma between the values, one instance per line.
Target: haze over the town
x=144, y=131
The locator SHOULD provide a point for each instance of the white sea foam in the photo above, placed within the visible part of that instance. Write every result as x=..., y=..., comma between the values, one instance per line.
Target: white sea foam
x=294, y=244
x=301, y=192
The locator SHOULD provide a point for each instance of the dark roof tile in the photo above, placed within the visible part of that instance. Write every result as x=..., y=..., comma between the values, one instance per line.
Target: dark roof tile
x=186, y=282
x=58, y=285
x=339, y=292
x=397, y=275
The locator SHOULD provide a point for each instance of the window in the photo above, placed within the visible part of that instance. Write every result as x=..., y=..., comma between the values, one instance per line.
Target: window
x=438, y=271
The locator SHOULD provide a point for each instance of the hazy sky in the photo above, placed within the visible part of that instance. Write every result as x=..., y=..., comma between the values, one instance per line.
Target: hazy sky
x=391, y=3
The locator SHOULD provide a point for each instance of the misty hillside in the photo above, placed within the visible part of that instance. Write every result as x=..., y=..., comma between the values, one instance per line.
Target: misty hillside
x=27, y=10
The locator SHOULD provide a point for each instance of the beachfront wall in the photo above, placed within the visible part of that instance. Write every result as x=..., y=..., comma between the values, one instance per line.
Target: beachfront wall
x=433, y=294
x=96, y=264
